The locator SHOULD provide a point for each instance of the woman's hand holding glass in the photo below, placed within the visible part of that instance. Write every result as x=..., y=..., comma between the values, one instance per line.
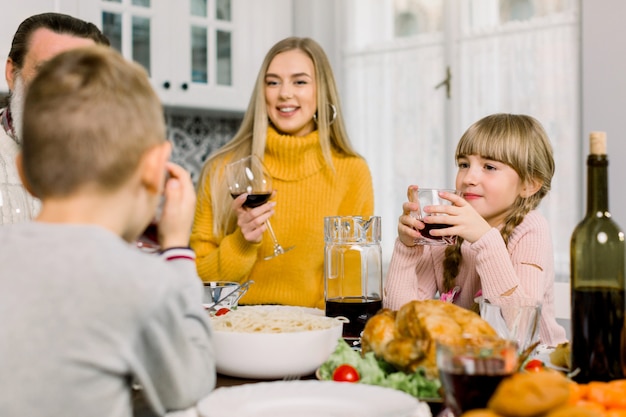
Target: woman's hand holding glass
x=252, y=221
x=249, y=180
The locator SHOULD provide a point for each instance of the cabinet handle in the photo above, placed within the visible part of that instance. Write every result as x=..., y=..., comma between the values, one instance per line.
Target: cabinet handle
x=166, y=85
x=184, y=86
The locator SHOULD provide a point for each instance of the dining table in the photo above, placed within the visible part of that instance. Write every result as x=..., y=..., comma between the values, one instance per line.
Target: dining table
x=224, y=381
x=141, y=408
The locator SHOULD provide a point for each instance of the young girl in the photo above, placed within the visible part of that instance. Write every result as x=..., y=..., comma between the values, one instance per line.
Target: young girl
x=503, y=245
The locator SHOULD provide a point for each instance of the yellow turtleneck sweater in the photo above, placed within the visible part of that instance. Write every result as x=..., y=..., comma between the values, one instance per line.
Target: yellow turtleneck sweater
x=307, y=190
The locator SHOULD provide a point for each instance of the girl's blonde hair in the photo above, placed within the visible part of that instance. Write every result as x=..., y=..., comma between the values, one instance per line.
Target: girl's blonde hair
x=252, y=135
x=520, y=142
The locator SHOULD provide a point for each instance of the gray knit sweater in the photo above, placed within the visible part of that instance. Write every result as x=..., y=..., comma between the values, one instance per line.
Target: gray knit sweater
x=83, y=314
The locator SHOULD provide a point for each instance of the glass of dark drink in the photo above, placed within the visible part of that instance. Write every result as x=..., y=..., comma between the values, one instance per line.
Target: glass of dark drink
x=148, y=241
x=249, y=176
x=431, y=197
x=470, y=369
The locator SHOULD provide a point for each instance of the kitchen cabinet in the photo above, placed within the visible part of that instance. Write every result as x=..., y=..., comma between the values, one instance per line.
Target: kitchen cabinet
x=200, y=54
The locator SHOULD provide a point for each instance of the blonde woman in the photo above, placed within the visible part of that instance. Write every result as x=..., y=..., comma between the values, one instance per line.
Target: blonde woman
x=503, y=247
x=294, y=124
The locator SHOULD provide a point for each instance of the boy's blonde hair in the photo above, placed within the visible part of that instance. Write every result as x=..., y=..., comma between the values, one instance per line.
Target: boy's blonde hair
x=520, y=142
x=89, y=117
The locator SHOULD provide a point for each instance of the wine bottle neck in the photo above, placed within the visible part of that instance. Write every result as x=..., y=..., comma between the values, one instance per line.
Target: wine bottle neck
x=597, y=184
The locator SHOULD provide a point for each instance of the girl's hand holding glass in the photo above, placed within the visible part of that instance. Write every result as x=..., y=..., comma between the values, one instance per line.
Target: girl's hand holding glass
x=463, y=219
x=433, y=211
x=408, y=225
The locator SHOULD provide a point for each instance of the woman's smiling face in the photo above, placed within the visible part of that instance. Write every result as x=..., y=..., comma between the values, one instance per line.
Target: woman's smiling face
x=290, y=93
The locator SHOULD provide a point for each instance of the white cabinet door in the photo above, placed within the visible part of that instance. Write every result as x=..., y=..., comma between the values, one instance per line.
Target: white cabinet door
x=201, y=54
x=133, y=28
x=203, y=66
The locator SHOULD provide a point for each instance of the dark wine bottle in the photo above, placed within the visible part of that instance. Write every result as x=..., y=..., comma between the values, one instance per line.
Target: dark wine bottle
x=597, y=279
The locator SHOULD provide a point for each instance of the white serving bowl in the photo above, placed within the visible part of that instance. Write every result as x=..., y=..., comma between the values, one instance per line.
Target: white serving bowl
x=274, y=355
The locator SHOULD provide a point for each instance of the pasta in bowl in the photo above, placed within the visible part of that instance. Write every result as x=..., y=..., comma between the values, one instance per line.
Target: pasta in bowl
x=271, y=342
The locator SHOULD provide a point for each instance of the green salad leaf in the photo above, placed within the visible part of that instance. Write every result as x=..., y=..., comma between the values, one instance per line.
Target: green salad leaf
x=374, y=371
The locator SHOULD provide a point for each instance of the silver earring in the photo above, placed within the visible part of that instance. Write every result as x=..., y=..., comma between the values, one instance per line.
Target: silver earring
x=332, y=106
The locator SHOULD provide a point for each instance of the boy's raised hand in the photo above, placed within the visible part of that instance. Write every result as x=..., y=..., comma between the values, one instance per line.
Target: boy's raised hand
x=178, y=208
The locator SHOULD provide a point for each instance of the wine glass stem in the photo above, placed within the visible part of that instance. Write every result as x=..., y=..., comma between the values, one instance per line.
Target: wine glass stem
x=269, y=228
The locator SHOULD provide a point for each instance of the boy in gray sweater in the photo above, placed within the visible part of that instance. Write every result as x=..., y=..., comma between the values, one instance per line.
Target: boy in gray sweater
x=83, y=313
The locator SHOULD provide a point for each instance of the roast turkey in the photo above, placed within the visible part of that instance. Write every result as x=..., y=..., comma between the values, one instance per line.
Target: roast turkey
x=407, y=338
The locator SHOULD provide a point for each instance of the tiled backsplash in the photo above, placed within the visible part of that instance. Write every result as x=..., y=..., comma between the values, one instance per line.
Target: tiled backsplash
x=194, y=135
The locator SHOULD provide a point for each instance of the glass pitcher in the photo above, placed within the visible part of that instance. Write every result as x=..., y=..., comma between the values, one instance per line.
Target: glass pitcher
x=353, y=274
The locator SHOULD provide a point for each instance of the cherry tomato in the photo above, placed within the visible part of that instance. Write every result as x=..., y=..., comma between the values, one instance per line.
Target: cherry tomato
x=222, y=311
x=534, y=365
x=346, y=373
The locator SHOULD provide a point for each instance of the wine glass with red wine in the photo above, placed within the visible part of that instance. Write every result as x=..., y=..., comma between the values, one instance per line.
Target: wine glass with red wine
x=249, y=175
x=470, y=369
x=148, y=241
x=430, y=197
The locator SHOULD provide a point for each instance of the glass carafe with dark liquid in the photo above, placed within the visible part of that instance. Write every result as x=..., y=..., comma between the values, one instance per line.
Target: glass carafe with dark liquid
x=352, y=270
x=597, y=268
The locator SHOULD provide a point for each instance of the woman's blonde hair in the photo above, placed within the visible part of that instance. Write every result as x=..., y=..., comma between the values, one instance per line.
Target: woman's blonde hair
x=252, y=134
x=520, y=142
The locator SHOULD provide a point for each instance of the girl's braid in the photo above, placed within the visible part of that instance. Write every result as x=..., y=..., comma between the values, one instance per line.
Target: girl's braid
x=453, y=257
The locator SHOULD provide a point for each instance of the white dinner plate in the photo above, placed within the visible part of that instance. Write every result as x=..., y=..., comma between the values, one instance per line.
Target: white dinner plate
x=310, y=399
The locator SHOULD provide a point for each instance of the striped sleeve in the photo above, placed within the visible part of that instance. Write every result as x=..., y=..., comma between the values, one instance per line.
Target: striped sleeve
x=173, y=254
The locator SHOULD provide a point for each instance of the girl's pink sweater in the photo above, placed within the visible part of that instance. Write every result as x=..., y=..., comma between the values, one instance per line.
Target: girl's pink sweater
x=527, y=264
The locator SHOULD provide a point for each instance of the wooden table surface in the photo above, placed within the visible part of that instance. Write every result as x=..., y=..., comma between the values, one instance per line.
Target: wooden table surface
x=142, y=409
x=230, y=381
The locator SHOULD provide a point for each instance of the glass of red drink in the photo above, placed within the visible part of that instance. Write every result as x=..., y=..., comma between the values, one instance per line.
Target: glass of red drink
x=249, y=176
x=470, y=369
x=431, y=197
x=148, y=241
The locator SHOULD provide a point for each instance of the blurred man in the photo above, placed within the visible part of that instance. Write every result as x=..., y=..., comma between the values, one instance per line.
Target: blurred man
x=38, y=39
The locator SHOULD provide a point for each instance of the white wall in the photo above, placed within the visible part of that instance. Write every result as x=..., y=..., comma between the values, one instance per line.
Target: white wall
x=319, y=20
x=604, y=91
x=603, y=67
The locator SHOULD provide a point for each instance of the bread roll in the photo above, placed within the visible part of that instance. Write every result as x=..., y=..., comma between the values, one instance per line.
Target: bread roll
x=573, y=411
x=481, y=412
x=530, y=394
